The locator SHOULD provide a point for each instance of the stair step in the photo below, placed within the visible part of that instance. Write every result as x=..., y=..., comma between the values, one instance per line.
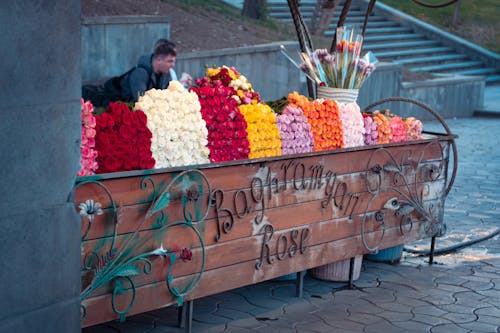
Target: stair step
x=400, y=53
x=493, y=79
x=392, y=37
x=416, y=43
x=434, y=58
x=448, y=66
x=389, y=30
x=375, y=24
x=477, y=71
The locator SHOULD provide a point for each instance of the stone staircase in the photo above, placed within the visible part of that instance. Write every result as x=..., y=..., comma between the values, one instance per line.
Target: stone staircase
x=394, y=38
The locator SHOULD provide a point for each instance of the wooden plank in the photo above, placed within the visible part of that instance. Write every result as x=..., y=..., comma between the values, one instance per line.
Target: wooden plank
x=156, y=296
x=133, y=190
x=342, y=193
x=269, y=242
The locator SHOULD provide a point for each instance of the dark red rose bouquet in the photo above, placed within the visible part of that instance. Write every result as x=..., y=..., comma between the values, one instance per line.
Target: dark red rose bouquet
x=227, y=135
x=123, y=140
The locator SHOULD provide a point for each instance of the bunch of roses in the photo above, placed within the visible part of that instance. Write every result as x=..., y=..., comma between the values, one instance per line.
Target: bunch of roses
x=295, y=132
x=353, y=126
x=227, y=135
x=263, y=134
x=413, y=128
x=371, y=133
x=123, y=140
x=88, y=154
x=383, y=127
x=179, y=131
x=324, y=118
x=230, y=77
x=398, y=129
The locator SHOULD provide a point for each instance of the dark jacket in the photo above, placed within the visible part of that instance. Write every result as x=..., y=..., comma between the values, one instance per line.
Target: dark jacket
x=142, y=78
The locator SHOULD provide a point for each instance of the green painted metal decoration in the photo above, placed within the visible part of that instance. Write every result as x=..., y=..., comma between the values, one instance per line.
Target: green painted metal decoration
x=118, y=266
x=407, y=199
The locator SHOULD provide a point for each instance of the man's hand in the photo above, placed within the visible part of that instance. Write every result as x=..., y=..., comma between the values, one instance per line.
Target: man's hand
x=186, y=80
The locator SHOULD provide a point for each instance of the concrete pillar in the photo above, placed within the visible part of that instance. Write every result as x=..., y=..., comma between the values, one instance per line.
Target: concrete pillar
x=39, y=158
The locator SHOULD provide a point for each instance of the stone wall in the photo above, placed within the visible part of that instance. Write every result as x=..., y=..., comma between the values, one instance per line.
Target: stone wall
x=112, y=45
x=39, y=153
x=270, y=73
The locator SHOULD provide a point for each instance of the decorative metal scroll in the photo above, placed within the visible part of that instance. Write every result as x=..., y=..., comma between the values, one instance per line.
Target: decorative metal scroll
x=408, y=202
x=406, y=181
x=118, y=265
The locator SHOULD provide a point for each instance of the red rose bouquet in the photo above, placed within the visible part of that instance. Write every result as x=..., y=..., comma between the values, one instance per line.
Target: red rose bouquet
x=123, y=140
x=227, y=129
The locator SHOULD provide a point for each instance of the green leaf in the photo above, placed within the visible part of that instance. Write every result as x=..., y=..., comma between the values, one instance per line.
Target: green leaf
x=128, y=270
x=173, y=258
x=161, y=203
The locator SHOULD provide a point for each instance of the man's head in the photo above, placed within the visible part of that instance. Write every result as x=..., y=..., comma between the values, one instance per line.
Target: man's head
x=163, y=41
x=163, y=59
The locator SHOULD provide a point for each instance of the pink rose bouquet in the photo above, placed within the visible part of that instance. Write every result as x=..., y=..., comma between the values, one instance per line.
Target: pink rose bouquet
x=88, y=152
x=296, y=135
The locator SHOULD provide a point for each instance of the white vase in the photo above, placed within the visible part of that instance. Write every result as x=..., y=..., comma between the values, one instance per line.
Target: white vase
x=338, y=94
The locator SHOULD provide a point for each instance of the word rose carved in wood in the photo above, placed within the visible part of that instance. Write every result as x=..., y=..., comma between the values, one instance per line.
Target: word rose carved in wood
x=157, y=239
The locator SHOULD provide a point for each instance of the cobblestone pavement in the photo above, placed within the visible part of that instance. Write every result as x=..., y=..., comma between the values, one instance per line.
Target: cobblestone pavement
x=459, y=293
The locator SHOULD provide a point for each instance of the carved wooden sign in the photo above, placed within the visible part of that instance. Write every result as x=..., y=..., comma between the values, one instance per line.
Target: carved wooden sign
x=156, y=239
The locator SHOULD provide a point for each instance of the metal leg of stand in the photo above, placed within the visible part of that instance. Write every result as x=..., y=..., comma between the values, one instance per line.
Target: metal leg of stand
x=189, y=316
x=299, y=284
x=181, y=316
x=351, y=272
x=431, y=254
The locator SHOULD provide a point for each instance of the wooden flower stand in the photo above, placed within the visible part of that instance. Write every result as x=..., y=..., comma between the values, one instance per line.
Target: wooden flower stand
x=168, y=236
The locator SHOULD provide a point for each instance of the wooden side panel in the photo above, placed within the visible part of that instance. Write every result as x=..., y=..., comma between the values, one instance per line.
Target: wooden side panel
x=252, y=221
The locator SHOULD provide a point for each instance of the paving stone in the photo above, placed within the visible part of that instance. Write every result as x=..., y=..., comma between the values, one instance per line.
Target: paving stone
x=345, y=324
x=209, y=318
x=364, y=306
x=439, y=299
x=459, y=318
x=379, y=295
x=383, y=326
x=412, y=302
x=491, y=293
x=479, y=285
x=494, y=320
x=231, y=314
x=488, y=311
x=396, y=307
x=430, y=319
x=363, y=318
x=248, y=323
x=233, y=329
x=317, y=325
x=449, y=328
x=393, y=316
x=455, y=308
x=300, y=306
x=480, y=327
x=452, y=288
x=413, y=325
